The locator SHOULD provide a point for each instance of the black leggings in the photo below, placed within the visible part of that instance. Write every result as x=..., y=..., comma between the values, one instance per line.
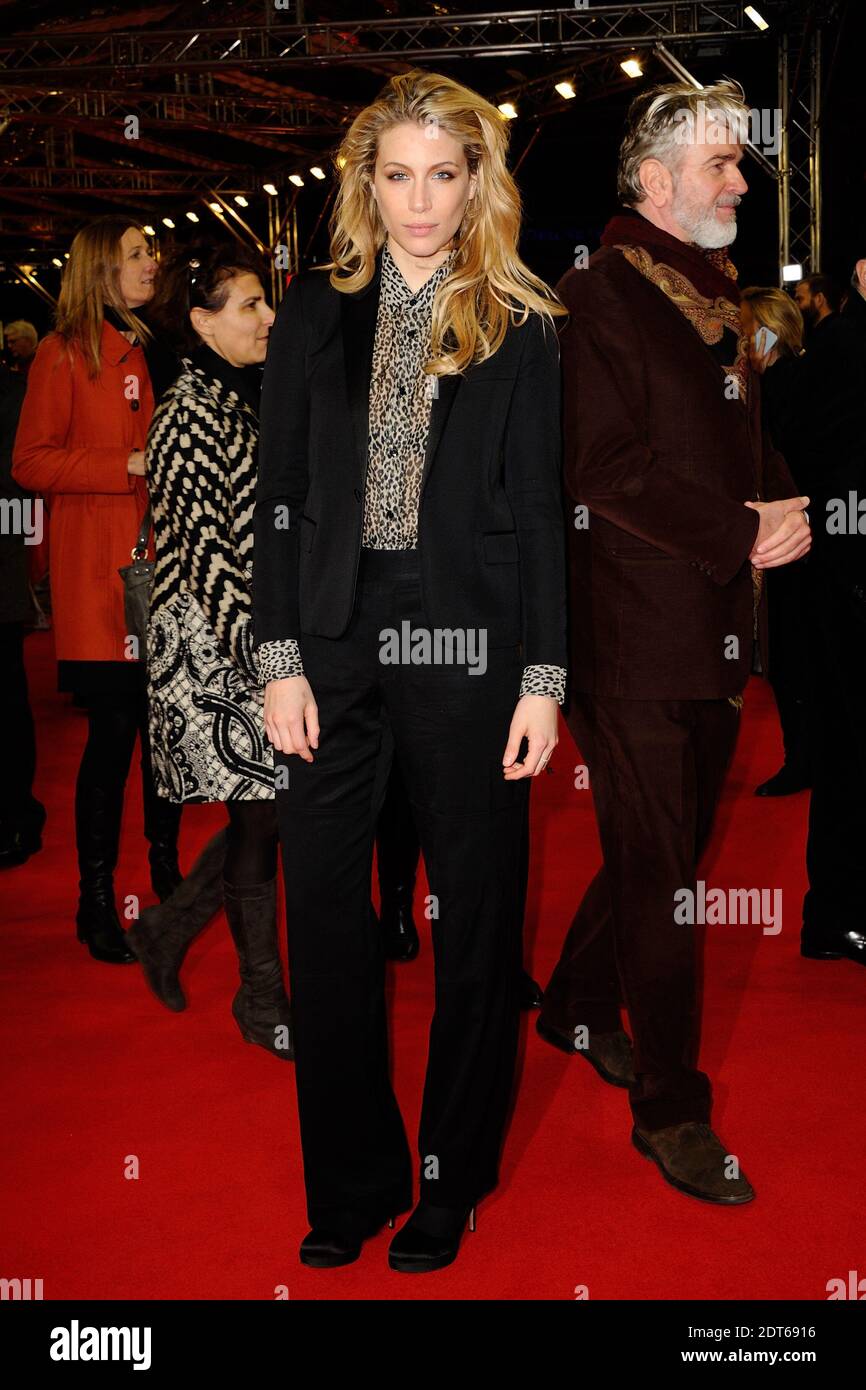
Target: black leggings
x=251, y=842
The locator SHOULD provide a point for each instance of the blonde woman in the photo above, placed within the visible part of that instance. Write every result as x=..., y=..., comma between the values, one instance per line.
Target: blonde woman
x=409, y=602
x=80, y=443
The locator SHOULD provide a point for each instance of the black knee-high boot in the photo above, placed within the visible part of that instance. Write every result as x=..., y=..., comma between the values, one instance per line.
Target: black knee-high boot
x=260, y=1007
x=98, y=810
x=161, y=936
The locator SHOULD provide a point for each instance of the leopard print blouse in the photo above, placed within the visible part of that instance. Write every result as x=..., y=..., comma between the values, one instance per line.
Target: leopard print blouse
x=401, y=399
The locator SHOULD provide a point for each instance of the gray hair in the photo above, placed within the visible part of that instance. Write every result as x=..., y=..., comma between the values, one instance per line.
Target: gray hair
x=662, y=121
x=22, y=329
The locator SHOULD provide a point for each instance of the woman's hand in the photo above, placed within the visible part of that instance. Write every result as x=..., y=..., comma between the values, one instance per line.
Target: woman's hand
x=135, y=463
x=535, y=719
x=291, y=716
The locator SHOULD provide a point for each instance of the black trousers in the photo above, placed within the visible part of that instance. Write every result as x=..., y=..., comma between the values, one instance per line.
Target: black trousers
x=449, y=729
x=836, y=899
x=656, y=771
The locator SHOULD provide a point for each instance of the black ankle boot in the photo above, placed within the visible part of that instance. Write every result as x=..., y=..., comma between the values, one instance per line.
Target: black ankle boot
x=260, y=1007
x=430, y=1239
x=161, y=936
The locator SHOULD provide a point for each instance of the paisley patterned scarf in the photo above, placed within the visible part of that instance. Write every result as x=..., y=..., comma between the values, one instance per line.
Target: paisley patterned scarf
x=701, y=283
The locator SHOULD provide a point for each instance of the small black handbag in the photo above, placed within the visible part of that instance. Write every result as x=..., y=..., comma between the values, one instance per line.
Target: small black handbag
x=137, y=583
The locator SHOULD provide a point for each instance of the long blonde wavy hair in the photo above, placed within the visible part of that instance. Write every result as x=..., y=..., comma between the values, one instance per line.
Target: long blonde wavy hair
x=91, y=279
x=489, y=283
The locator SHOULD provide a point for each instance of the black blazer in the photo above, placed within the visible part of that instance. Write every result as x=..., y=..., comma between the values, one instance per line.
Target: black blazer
x=490, y=527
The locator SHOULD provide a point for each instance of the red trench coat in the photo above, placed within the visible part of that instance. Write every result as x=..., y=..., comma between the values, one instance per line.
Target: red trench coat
x=74, y=438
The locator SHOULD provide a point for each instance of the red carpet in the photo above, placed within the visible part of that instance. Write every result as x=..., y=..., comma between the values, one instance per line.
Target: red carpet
x=96, y=1071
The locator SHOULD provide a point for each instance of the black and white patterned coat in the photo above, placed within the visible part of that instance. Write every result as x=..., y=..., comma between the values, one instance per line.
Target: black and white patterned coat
x=205, y=699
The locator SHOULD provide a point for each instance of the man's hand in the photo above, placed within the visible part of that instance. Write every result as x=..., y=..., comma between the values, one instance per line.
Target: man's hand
x=783, y=532
x=291, y=716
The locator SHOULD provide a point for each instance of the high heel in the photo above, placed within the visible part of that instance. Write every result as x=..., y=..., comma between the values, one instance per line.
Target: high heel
x=329, y=1246
x=430, y=1239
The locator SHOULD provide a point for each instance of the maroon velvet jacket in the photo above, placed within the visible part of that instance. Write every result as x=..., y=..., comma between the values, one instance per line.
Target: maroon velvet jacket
x=664, y=460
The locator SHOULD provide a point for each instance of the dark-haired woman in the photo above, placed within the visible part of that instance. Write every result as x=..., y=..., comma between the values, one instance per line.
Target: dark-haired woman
x=80, y=443
x=206, y=717
x=409, y=596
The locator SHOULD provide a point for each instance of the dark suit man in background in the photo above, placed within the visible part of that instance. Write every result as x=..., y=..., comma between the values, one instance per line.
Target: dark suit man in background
x=663, y=446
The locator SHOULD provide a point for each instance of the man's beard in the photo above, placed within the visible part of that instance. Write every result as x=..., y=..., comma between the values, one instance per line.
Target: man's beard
x=701, y=223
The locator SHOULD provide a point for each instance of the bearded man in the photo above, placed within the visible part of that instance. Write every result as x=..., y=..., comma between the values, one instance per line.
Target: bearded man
x=687, y=504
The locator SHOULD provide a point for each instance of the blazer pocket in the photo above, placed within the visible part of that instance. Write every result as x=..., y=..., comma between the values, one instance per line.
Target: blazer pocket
x=308, y=532
x=501, y=548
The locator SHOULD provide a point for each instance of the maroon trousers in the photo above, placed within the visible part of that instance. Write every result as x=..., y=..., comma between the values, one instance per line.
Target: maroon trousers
x=656, y=770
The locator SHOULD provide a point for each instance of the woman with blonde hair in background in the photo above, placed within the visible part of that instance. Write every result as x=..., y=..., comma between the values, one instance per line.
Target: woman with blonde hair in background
x=409, y=602
x=80, y=443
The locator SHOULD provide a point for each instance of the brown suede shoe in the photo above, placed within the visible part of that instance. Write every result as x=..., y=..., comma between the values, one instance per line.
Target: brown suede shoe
x=609, y=1053
x=693, y=1159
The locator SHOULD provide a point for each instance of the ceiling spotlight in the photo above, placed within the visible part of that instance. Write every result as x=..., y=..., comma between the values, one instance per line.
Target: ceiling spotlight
x=507, y=109
x=632, y=68
x=270, y=189
x=148, y=230
x=792, y=272
x=757, y=19
x=296, y=180
x=193, y=216
x=57, y=261
x=317, y=172
x=167, y=222
x=215, y=207
x=566, y=90
x=241, y=200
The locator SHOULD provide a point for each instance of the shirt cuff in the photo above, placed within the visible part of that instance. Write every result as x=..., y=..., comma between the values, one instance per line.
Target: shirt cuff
x=544, y=680
x=279, y=660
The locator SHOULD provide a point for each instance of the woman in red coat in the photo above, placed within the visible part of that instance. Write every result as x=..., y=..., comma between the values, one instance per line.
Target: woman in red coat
x=80, y=443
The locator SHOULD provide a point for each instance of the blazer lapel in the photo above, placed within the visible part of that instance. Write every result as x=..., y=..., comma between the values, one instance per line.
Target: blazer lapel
x=358, y=313
x=446, y=390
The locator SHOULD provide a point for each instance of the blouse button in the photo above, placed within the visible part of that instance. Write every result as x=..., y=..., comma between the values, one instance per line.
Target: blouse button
x=134, y=405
